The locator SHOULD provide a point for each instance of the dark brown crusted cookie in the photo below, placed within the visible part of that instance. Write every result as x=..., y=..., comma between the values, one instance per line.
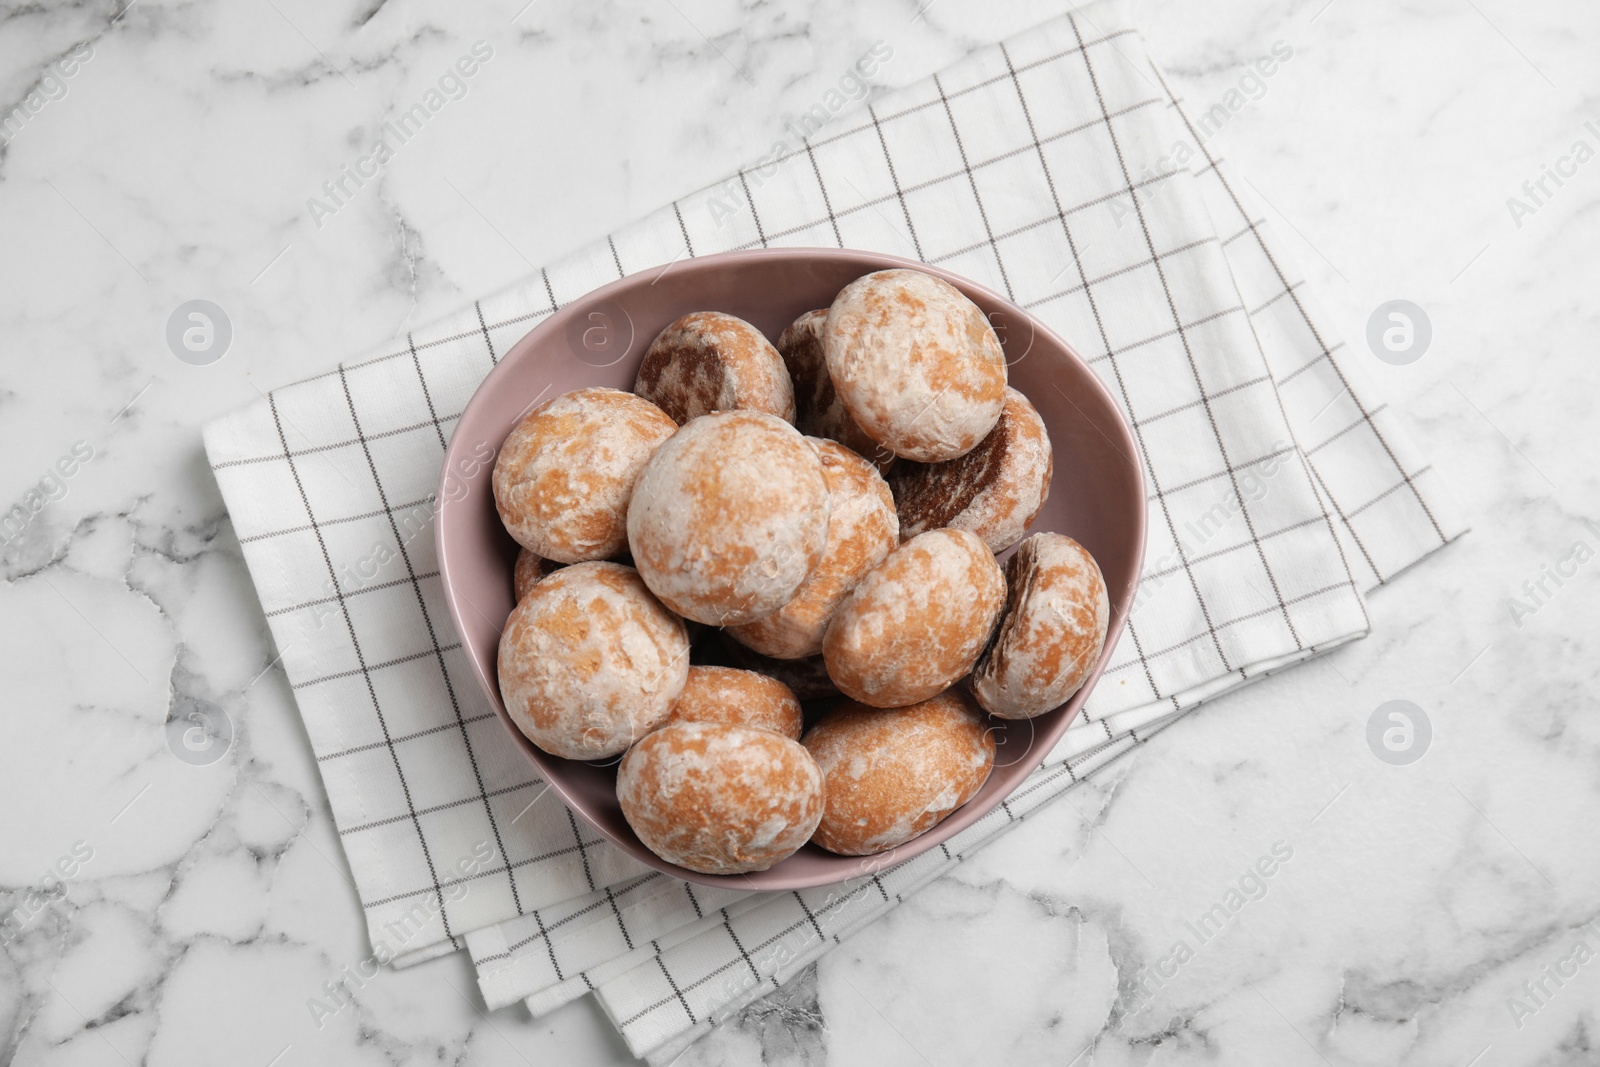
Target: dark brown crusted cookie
x=1051, y=633
x=818, y=409
x=708, y=361
x=994, y=491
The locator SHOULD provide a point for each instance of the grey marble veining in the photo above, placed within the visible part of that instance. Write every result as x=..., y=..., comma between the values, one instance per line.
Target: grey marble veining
x=167, y=910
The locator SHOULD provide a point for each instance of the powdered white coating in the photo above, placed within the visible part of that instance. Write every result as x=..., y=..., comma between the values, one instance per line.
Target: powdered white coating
x=720, y=798
x=729, y=517
x=862, y=529
x=565, y=474
x=590, y=661
x=892, y=775
x=727, y=694
x=915, y=363
x=1051, y=634
x=917, y=622
x=709, y=361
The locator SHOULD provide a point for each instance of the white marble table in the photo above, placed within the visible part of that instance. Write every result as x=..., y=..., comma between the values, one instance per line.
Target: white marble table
x=1431, y=913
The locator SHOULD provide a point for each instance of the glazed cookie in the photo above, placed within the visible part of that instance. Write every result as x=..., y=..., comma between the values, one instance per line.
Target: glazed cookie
x=862, y=529
x=530, y=569
x=708, y=361
x=917, y=622
x=806, y=678
x=889, y=776
x=565, y=475
x=915, y=364
x=729, y=517
x=994, y=491
x=590, y=661
x=818, y=410
x=1052, y=631
x=720, y=798
x=723, y=694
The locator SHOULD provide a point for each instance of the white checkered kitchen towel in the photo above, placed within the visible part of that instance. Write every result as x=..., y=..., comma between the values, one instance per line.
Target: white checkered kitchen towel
x=526, y=958
x=1043, y=168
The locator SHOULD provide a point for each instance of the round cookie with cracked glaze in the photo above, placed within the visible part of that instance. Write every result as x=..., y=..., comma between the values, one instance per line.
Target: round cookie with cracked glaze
x=720, y=798
x=917, y=622
x=915, y=363
x=724, y=694
x=708, y=361
x=1051, y=634
x=590, y=661
x=818, y=410
x=565, y=474
x=862, y=529
x=890, y=776
x=994, y=491
x=729, y=517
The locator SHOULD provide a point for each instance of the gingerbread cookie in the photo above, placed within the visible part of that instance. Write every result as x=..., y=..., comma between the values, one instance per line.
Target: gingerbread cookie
x=565, y=474
x=590, y=661
x=1051, y=633
x=720, y=798
x=807, y=678
x=818, y=410
x=708, y=361
x=729, y=517
x=915, y=363
x=889, y=776
x=862, y=529
x=994, y=491
x=723, y=694
x=917, y=622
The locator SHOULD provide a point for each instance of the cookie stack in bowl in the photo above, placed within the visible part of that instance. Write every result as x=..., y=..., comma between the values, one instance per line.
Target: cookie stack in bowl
x=766, y=579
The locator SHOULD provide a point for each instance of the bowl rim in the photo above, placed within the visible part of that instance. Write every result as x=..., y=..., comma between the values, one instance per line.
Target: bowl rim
x=963, y=816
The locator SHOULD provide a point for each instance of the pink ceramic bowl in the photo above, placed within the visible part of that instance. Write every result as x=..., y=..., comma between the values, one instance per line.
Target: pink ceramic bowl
x=1097, y=497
